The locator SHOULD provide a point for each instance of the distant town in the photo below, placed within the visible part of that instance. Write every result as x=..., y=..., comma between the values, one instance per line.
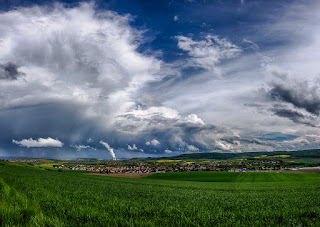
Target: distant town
x=227, y=162
x=257, y=164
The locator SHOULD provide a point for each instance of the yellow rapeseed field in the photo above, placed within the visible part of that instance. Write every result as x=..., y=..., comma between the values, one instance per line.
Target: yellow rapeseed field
x=281, y=156
x=189, y=162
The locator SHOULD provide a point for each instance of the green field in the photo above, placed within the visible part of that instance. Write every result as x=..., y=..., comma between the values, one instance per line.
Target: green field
x=237, y=177
x=32, y=196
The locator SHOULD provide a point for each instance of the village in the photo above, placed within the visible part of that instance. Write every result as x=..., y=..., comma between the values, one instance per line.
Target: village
x=156, y=167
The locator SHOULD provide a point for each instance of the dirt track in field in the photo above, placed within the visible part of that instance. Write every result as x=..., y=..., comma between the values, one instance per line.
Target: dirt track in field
x=129, y=175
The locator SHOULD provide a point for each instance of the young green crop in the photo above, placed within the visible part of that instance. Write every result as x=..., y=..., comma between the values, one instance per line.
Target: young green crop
x=30, y=196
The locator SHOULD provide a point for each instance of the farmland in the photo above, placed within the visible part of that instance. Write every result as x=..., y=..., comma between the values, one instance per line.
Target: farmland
x=31, y=196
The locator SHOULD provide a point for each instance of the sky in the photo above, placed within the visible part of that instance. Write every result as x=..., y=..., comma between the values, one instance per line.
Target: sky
x=132, y=78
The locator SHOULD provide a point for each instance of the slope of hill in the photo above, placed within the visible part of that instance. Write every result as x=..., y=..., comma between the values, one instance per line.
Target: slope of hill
x=312, y=154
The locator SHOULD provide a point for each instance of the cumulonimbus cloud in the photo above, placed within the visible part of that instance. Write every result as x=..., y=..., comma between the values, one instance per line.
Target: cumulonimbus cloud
x=72, y=55
x=78, y=61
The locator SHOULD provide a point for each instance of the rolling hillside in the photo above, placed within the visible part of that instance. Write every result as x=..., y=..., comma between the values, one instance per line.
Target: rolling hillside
x=312, y=154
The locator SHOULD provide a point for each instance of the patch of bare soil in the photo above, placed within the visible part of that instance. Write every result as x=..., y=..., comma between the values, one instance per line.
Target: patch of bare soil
x=303, y=171
x=129, y=175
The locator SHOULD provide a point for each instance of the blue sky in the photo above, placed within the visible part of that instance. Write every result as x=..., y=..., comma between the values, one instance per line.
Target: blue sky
x=154, y=78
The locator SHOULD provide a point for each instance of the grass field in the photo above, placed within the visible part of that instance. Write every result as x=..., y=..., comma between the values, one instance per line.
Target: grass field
x=35, y=197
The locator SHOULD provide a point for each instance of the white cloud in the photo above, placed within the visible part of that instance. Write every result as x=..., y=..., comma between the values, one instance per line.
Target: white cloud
x=79, y=147
x=192, y=148
x=168, y=151
x=139, y=119
x=154, y=111
x=194, y=119
x=220, y=145
x=153, y=142
x=306, y=142
x=40, y=142
x=133, y=147
x=175, y=18
x=208, y=53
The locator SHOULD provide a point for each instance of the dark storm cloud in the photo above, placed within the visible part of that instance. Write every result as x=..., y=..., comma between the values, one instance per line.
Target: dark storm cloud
x=299, y=94
x=294, y=115
x=9, y=71
x=296, y=100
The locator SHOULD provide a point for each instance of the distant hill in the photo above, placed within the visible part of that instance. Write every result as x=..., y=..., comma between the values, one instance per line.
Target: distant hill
x=315, y=154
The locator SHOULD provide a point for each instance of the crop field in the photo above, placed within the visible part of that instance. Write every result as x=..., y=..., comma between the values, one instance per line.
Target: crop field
x=32, y=196
x=236, y=177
